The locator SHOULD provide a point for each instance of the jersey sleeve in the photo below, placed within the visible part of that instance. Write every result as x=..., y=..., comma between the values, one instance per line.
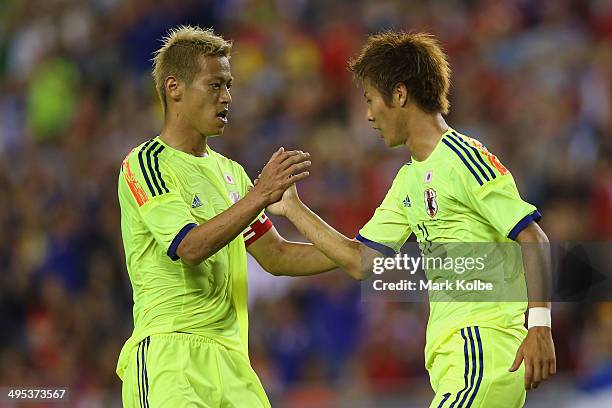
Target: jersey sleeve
x=388, y=229
x=148, y=186
x=494, y=195
x=262, y=223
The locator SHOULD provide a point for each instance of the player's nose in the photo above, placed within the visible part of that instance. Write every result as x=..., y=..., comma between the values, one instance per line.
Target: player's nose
x=225, y=96
x=369, y=116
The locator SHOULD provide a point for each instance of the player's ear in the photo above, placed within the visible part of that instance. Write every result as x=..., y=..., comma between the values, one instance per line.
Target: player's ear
x=400, y=94
x=174, y=89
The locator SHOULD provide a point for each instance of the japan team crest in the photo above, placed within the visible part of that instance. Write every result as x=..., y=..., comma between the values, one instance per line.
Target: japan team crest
x=431, y=205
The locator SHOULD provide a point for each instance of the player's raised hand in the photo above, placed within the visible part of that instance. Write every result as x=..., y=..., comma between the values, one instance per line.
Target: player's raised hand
x=284, y=169
x=538, y=353
x=281, y=207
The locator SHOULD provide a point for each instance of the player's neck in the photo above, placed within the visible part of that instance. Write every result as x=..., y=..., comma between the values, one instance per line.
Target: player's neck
x=184, y=138
x=424, y=133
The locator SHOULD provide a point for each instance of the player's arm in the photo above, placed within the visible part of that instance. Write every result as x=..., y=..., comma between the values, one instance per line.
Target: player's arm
x=349, y=254
x=206, y=239
x=538, y=350
x=489, y=189
x=354, y=256
x=281, y=257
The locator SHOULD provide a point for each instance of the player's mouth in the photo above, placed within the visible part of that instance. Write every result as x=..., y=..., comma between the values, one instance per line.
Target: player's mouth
x=222, y=116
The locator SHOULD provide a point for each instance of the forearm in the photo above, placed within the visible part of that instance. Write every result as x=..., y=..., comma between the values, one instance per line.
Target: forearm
x=343, y=251
x=206, y=239
x=299, y=259
x=536, y=262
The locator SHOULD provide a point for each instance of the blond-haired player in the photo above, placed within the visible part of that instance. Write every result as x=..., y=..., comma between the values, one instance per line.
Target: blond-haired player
x=188, y=216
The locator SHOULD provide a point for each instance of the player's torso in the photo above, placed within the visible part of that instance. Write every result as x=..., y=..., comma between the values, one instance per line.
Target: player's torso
x=445, y=227
x=209, y=186
x=173, y=294
x=430, y=204
x=430, y=195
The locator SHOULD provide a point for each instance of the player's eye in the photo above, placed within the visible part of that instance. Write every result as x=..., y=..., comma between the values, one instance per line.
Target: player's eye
x=215, y=86
x=229, y=85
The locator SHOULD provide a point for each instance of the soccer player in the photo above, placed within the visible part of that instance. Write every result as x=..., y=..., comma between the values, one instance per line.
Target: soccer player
x=453, y=190
x=188, y=216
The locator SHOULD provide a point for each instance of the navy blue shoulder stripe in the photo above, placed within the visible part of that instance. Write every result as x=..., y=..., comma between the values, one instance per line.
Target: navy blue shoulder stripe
x=161, y=180
x=454, y=149
x=478, y=156
x=143, y=169
x=467, y=153
x=150, y=167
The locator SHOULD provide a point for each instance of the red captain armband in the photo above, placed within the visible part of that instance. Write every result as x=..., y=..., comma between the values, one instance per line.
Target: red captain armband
x=256, y=230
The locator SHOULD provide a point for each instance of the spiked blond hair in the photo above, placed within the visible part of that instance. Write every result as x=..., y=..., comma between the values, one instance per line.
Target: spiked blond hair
x=180, y=52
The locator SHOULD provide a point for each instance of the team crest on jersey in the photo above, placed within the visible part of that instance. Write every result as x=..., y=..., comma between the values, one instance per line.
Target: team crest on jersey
x=234, y=196
x=431, y=205
x=228, y=178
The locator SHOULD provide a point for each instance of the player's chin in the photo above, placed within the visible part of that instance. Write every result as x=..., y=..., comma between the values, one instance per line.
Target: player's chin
x=392, y=143
x=215, y=131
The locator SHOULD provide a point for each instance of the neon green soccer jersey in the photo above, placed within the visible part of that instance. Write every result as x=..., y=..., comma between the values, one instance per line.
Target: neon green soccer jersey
x=460, y=194
x=163, y=194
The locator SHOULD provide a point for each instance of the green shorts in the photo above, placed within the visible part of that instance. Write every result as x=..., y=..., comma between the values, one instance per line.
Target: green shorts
x=187, y=370
x=470, y=369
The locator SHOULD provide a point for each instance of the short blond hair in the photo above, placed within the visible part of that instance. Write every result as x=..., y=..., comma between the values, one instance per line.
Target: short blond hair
x=180, y=52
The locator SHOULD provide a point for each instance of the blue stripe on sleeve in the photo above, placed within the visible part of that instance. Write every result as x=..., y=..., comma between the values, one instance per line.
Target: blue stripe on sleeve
x=468, y=155
x=478, y=156
x=523, y=223
x=150, y=166
x=454, y=149
x=383, y=249
x=177, y=240
x=159, y=175
x=142, y=168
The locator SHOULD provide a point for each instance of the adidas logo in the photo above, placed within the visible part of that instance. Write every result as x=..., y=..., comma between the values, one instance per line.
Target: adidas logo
x=196, y=202
x=407, y=202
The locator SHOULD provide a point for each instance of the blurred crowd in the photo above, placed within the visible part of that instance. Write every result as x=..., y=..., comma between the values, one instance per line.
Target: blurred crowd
x=532, y=79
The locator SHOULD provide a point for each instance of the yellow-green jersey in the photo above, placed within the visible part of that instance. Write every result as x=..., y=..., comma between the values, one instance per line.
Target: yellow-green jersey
x=460, y=194
x=163, y=194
